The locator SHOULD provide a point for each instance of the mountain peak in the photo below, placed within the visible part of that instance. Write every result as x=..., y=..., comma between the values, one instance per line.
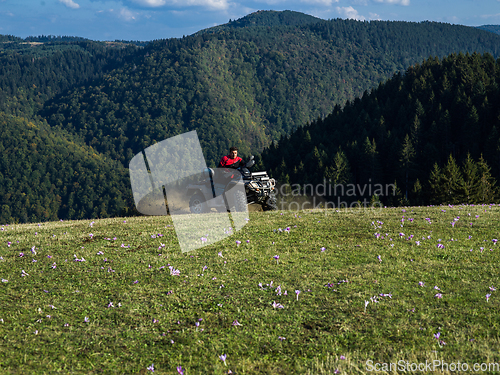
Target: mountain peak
x=266, y=18
x=275, y=18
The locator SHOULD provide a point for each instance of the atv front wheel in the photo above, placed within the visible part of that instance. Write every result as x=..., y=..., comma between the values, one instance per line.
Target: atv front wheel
x=197, y=204
x=271, y=204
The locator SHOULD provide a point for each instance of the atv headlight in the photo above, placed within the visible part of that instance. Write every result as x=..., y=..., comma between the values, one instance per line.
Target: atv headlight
x=254, y=186
x=272, y=183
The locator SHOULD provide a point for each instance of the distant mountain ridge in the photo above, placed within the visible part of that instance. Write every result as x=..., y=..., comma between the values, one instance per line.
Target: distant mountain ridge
x=491, y=28
x=265, y=18
x=248, y=86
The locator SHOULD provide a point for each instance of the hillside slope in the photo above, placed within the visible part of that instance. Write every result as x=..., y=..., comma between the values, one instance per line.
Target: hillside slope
x=266, y=19
x=44, y=176
x=248, y=86
x=491, y=28
x=415, y=130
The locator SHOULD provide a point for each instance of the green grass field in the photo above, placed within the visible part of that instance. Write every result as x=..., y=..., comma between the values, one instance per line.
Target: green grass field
x=351, y=292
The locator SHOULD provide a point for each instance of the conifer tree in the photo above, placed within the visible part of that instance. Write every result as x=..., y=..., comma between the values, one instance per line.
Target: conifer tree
x=416, y=193
x=452, y=182
x=407, y=155
x=436, y=185
x=341, y=168
x=470, y=182
x=487, y=188
x=395, y=197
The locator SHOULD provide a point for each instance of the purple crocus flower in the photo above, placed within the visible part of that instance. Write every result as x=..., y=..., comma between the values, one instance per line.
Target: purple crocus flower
x=277, y=305
x=180, y=370
x=223, y=358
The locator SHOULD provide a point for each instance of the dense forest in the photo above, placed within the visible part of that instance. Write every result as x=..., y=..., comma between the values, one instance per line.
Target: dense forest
x=43, y=176
x=432, y=132
x=249, y=85
x=74, y=112
x=492, y=28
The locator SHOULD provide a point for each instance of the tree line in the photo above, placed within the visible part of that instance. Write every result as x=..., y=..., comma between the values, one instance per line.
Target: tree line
x=413, y=131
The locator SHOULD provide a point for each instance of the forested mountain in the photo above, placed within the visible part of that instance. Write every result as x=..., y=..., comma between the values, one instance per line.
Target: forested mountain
x=43, y=176
x=247, y=86
x=265, y=19
x=246, y=83
x=433, y=132
x=492, y=28
x=33, y=70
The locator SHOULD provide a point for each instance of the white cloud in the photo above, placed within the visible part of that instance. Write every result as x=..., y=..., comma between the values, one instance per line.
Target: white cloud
x=126, y=14
x=70, y=4
x=320, y=2
x=351, y=13
x=151, y=3
x=213, y=4
x=490, y=15
x=122, y=13
x=401, y=2
x=360, y=2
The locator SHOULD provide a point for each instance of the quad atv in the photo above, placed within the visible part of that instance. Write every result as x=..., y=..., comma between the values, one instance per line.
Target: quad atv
x=214, y=186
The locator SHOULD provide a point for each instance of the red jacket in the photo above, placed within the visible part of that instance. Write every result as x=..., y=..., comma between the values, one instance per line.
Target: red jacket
x=226, y=161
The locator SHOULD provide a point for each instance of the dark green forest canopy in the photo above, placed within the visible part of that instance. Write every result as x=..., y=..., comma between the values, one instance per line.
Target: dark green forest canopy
x=265, y=19
x=436, y=115
x=43, y=176
x=247, y=86
x=492, y=28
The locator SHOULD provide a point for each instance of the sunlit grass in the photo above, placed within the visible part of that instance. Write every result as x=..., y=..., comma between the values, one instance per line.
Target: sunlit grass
x=374, y=286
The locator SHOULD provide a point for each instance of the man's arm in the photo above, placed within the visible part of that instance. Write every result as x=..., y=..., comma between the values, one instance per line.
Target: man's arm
x=223, y=161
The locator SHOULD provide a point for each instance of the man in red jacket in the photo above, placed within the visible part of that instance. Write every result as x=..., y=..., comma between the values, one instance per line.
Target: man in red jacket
x=232, y=160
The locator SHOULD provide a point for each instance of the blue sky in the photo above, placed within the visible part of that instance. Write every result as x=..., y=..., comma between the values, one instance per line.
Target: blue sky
x=159, y=19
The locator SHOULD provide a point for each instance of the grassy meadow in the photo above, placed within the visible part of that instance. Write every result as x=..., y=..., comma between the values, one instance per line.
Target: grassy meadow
x=309, y=292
